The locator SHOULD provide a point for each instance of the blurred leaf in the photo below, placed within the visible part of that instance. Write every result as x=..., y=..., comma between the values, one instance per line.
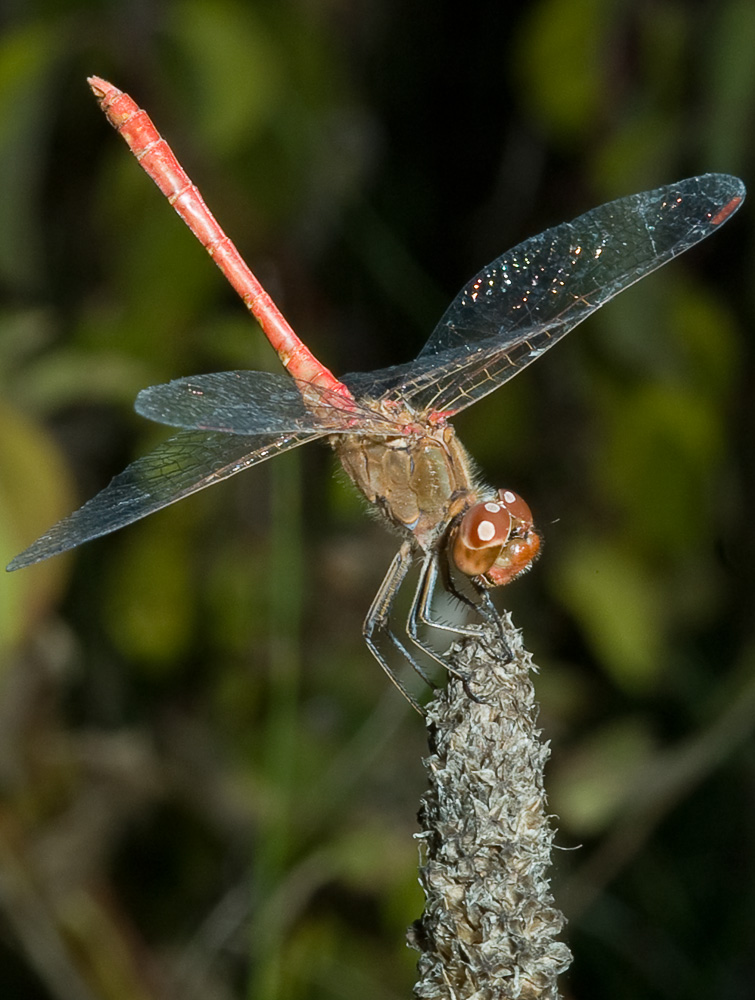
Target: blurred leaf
x=24, y=334
x=562, y=59
x=634, y=154
x=35, y=491
x=662, y=44
x=371, y=854
x=236, y=69
x=238, y=595
x=27, y=60
x=324, y=952
x=707, y=339
x=234, y=340
x=661, y=451
x=615, y=600
x=593, y=783
x=150, y=598
x=69, y=377
x=641, y=142
x=729, y=73
x=697, y=345
x=159, y=276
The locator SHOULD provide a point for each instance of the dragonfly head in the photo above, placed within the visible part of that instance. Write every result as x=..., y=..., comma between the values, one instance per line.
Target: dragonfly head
x=496, y=540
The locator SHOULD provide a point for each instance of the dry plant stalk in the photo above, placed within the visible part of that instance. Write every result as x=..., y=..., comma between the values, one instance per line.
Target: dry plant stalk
x=490, y=926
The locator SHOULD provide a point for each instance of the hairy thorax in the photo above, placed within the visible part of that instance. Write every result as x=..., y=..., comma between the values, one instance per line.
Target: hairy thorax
x=418, y=481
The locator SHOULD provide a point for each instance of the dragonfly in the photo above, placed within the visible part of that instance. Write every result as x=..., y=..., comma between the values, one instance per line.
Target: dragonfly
x=391, y=428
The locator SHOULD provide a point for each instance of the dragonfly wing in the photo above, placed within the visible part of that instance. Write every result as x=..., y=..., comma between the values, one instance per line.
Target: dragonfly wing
x=247, y=402
x=185, y=463
x=532, y=296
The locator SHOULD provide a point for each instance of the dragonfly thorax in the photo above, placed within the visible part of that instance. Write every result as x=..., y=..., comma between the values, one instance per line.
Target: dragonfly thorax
x=420, y=483
x=424, y=486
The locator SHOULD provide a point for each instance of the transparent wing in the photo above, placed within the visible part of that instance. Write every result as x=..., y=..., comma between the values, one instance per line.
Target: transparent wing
x=185, y=463
x=247, y=402
x=532, y=296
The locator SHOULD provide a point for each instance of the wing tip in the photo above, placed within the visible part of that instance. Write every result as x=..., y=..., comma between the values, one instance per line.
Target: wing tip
x=34, y=554
x=725, y=191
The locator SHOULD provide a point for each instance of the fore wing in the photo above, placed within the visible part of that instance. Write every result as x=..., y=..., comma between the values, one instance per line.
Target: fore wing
x=185, y=463
x=249, y=402
x=532, y=296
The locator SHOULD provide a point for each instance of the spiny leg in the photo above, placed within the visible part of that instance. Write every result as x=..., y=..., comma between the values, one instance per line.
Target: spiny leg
x=419, y=613
x=421, y=610
x=484, y=606
x=423, y=596
x=490, y=613
x=378, y=618
x=450, y=587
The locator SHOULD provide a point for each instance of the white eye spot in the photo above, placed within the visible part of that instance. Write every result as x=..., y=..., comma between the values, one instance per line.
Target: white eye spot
x=509, y=497
x=493, y=508
x=486, y=531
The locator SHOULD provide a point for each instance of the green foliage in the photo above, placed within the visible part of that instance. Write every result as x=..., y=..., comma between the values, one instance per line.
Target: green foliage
x=610, y=592
x=35, y=491
x=237, y=80
x=595, y=786
x=150, y=598
x=27, y=57
x=566, y=94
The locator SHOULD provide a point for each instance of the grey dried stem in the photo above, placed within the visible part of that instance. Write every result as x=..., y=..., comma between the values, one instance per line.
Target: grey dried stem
x=490, y=926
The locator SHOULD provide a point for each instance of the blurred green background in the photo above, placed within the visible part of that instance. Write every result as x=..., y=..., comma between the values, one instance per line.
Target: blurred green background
x=208, y=788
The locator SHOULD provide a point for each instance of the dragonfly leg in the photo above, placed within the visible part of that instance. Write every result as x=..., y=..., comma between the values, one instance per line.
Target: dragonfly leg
x=378, y=620
x=489, y=612
x=450, y=586
x=484, y=607
x=421, y=611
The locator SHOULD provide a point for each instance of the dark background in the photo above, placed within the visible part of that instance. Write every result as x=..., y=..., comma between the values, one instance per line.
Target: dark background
x=208, y=788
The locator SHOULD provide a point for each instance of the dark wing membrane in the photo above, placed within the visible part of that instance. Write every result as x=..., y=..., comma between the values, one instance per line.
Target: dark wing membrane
x=190, y=461
x=246, y=402
x=532, y=296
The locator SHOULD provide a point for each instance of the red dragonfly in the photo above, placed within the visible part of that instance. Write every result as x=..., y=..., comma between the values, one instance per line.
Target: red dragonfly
x=390, y=428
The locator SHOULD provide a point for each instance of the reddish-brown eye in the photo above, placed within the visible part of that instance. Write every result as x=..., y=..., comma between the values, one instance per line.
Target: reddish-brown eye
x=517, y=507
x=480, y=536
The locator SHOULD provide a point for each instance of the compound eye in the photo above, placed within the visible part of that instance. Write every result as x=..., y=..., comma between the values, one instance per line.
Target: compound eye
x=480, y=536
x=517, y=507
